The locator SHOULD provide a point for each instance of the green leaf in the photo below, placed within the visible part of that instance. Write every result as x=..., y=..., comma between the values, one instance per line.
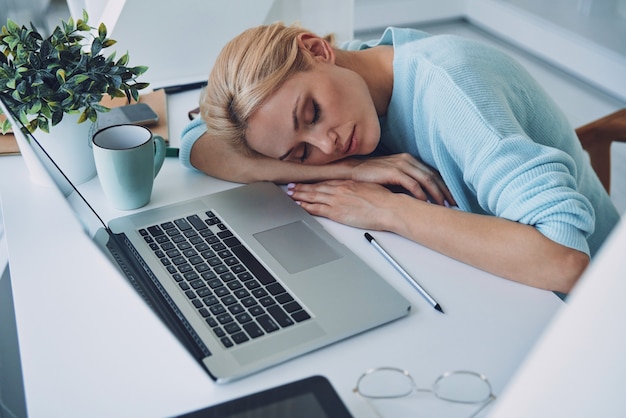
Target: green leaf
x=92, y=114
x=116, y=93
x=60, y=74
x=35, y=107
x=12, y=42
x=123, y=60
x=46, y=48
x=56, y=117
x=34, y=124
x=67, y=27
x=83, y=116
x=139, y=70
x=22, y=88
x=83, y=26
x=96, y=47
x=141, y=86
x=100, y=108
x=134, y=93
x=79, y=78
x=6, y=126
x=42, y=123
x=102, y=31
x=12, y=25
x=46, y=111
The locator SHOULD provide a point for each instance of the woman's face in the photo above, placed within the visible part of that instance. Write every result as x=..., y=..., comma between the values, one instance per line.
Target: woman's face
x=317, y=116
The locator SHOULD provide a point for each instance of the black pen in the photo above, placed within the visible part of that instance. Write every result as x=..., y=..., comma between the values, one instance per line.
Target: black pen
x=404, y=273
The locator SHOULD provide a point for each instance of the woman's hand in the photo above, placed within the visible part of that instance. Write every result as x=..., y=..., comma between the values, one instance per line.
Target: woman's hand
x=405, y=171
x=359, y=204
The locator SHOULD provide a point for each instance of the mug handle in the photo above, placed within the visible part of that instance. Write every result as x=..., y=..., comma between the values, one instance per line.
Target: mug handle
x=159, y=153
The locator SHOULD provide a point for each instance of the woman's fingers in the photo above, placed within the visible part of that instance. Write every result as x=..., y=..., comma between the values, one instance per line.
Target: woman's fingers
x=404, y=170
x=353, y=203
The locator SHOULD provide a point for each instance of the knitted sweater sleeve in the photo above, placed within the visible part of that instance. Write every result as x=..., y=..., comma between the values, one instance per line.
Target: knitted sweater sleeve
x=189, y=136
x=505, y=171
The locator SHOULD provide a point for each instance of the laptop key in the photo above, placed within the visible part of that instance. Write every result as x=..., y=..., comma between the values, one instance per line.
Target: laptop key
x=276, y=289
x=155, y=230
x=256, y=310
x=203, y=292
x=284, y=298
x=291, y=307
x=232, y=328
x=280, y=315
x=242, y=318
x=232, y=241
x=300, y=316
x=267, y=323
x=182, y=224
x=227, y=342
x=197, y=222
x=253, y=330
x=210, y=300
x=240, y=337
x=253, y=264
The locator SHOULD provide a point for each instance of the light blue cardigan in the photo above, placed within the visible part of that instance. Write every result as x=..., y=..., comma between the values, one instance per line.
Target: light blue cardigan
x=500, y=143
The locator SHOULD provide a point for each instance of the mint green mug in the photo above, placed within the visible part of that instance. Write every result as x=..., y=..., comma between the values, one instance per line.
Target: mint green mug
x=128, y=158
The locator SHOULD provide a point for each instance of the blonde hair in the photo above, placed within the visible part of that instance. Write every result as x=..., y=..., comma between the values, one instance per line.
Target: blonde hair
x=247, y=71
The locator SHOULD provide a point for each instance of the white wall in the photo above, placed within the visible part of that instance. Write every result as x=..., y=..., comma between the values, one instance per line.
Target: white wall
x=374, y=14
x=589, y=42
x=320, y=16
x=560, y=41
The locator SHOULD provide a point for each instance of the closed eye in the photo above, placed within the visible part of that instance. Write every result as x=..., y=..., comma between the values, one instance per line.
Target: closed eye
x=305, y=153
x=316, y=113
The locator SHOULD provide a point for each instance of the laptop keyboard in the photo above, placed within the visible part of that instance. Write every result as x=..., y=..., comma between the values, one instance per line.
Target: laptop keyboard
x=237, y=297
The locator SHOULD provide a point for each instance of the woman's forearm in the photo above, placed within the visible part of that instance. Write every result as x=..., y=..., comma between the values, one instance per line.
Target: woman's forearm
x=508, y=249
x=220, y=160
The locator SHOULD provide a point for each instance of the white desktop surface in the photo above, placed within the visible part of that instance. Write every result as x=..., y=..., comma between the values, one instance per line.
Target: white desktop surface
x=91, y=347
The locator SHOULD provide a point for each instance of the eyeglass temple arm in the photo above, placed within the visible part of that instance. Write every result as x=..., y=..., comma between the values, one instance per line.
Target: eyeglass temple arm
x=484, y=405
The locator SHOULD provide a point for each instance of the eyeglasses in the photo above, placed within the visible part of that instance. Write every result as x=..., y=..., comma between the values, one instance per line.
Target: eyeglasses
x=458, y=386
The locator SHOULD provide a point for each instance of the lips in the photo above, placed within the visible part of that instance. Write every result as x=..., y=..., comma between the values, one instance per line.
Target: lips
x=351, y=143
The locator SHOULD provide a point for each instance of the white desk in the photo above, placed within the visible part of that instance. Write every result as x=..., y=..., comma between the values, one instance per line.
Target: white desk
x=91, y=347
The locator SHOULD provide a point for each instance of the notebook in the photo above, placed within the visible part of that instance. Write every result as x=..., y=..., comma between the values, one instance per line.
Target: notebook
x=245, y=278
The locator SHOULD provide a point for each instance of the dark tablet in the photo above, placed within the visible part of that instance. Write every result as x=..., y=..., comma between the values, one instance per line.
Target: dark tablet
x=313, y=397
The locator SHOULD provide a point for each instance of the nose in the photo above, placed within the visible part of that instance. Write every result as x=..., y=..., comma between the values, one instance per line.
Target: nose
x=325, y=141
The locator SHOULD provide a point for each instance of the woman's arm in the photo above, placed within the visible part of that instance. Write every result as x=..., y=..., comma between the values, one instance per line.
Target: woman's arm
x=508, y=249
x=219, y=159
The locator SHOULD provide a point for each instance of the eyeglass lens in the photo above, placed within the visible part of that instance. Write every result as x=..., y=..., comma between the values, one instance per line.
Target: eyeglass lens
x=385, y=383
x=463, y=387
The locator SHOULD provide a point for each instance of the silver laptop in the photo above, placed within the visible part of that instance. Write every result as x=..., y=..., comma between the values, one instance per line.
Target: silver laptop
x=245, y=278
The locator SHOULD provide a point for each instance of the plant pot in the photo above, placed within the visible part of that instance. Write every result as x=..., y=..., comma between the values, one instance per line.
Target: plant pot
x=69, y=145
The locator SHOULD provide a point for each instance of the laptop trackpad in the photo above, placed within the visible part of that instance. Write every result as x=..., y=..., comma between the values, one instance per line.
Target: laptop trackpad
x=296, y=246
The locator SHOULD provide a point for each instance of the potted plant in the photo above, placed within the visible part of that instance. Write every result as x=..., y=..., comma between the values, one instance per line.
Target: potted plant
x=62, y=77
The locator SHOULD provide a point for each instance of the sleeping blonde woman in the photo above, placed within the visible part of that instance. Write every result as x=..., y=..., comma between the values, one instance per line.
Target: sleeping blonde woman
x=443, y=140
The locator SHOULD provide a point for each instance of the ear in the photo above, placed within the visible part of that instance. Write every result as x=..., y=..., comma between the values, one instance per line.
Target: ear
x=319, y=48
